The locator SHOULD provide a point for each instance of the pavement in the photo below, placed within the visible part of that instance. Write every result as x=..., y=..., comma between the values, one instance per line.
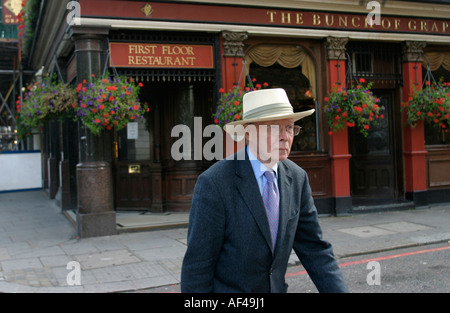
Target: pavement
x=40, y=252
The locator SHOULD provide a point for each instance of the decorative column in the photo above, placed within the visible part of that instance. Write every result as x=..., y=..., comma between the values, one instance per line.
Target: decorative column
x=414, y=152
x=233, y=53
x=232, y=75
x=339, y=153
x=95, y=213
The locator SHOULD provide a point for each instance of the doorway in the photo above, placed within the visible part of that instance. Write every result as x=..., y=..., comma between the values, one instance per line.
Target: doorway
x=373, y=169
x=146, y=176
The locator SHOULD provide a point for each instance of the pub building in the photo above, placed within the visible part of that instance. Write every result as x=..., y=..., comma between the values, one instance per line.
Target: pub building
x=183, y=52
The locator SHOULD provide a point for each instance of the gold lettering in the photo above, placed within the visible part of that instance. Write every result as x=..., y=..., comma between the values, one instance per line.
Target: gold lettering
x=190, y=51
x=353, y=21
x=132, y=49
x=396, y=24
x=444, y=26
x=329, y=22
x=192, y=59
x=423, y=26
x=367, y=24
x=131, y=60
x=271, y=14
x=316, y=19
x=343, y=21
x=384, y=24
x=141, y=49
x=412, y=25
x=299, y=18
x=283, y=19
x=434, y=28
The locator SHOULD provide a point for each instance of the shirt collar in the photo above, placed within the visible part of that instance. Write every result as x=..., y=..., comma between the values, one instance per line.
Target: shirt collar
x=258, y=167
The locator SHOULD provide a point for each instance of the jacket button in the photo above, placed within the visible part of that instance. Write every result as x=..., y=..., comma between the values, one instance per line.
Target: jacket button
x=270, y=271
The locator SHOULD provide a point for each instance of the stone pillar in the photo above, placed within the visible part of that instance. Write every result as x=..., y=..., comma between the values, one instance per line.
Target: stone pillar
x=233, y=52
x=233, y=74
x=414, y=152
x=339, y=153
x=95, y=213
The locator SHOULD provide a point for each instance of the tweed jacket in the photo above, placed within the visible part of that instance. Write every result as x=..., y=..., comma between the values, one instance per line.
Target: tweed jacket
x=229, y=242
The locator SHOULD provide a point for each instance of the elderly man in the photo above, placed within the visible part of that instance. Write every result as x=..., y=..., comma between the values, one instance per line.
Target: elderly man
x=249, y=212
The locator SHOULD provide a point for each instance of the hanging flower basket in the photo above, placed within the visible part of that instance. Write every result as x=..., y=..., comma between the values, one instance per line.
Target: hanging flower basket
x=229, y=108
x=431, y=104
x=44, y=102
x=353, y=107
x=107, y=103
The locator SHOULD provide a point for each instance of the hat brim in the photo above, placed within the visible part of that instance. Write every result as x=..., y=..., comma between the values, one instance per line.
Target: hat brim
x=236, y=134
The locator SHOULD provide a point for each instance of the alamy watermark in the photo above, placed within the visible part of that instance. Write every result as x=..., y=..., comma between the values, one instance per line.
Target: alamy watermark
x=190, y=144
x=73, y=278
x=374, y=16
x=374, y=276
x=73, y=17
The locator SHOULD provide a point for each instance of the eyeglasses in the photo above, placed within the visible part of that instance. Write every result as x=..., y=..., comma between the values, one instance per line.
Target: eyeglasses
x=292, y=130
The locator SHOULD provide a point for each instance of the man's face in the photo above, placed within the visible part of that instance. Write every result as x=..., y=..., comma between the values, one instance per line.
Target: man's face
x=273, y=140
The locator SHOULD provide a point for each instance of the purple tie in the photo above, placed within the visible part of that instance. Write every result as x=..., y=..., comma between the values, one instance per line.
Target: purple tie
x=271, y=200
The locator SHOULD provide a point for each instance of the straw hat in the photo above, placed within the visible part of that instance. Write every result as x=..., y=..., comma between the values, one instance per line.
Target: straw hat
x=264, y=105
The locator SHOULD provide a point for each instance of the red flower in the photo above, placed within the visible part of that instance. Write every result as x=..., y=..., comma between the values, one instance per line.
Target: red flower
x=362, y=80
x=238, y=116
x=140, y=85
x=326, y=99
x=366, y=127
x=102, y=107
x=418, y=113
x=136, y=107
x=236, y=103
x=221, y=90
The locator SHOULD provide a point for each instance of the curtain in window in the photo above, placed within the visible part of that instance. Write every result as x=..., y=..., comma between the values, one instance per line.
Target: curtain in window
x=285, y=55
x=437, y=59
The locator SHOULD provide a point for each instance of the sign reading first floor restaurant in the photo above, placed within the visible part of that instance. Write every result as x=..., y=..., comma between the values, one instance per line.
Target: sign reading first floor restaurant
x=156, y=55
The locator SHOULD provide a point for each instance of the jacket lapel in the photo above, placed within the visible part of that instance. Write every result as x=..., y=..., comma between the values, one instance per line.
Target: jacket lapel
x=248, y=188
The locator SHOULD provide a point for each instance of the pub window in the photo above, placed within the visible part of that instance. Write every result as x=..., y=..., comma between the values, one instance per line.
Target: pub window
x=379, y=61
x=134, y=142
x=362, y=62
x=291, y=68
x=297, y=87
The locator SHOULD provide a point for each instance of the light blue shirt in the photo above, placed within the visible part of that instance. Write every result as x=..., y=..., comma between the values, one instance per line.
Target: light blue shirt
x=259, y=168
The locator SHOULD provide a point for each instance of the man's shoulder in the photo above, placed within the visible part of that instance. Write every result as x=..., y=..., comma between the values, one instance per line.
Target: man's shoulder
x=221, y=169
x=293, y=167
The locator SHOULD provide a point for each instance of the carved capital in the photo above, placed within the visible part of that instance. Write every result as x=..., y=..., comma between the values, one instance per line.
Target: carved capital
x=336, y=48
x=412, y=51
x=234, y=43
